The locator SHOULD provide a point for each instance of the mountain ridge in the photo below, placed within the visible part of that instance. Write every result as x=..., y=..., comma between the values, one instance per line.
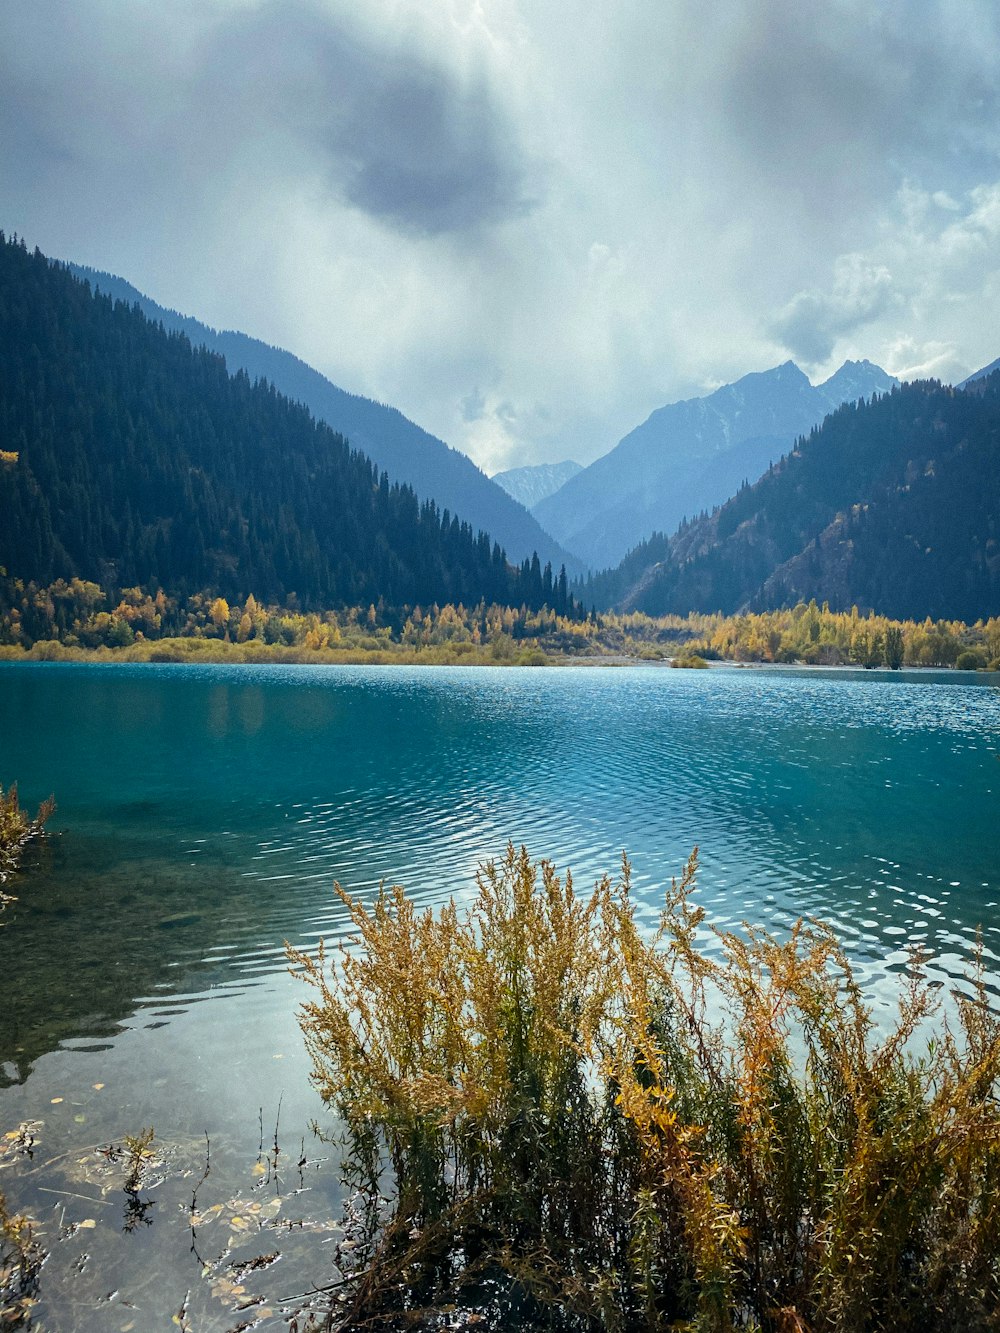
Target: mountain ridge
x=892, y=504
x=690, y=455
x=130, y=459
x=411, y=455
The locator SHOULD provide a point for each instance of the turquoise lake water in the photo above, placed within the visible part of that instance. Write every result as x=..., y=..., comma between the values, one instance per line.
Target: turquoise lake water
x=205, y=812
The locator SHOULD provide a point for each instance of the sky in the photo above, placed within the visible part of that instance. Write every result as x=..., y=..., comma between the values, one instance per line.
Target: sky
x=525, y=223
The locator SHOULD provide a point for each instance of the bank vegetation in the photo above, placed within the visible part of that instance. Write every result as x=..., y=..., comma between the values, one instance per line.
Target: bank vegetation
x=75, y=619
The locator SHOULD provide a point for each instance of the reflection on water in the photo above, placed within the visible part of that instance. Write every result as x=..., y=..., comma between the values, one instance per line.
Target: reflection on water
x=204, y=813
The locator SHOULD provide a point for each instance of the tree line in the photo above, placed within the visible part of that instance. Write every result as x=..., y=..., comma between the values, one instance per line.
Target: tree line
x=78, y=616
x=130, y=459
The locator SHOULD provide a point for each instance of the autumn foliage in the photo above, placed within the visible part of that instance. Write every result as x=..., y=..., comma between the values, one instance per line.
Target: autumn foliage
x=554, y=1120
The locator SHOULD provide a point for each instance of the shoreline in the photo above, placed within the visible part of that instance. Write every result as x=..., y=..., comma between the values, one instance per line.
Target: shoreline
x=233, y=656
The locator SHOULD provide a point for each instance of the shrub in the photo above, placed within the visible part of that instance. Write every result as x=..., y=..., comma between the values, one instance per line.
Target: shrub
x=972, y=659
x=546, y=1110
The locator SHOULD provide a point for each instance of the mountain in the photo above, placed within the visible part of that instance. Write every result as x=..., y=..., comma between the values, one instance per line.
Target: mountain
x=529, y=485
x=398, y=446
x=980, y=374
x=891, y=505
x=130, y=458
x=692, y=455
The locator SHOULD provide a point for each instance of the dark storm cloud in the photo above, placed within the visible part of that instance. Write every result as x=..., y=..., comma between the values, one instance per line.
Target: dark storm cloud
x=397, y=132
x=376, y=118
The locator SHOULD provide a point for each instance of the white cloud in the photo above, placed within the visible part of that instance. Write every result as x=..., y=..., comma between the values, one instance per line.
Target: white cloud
x=814, y=321
x=921, y=300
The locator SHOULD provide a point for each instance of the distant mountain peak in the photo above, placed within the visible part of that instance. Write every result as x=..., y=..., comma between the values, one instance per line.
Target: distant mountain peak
x=889, y=505
x=530, y=485
x=854, y=380
x=689, y=456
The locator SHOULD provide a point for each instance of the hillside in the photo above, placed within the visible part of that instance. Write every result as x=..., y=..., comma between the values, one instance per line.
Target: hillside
x=690, y=456
x=530, y=485
x=129, y=458
x=980, y=374
x=396, y=445
x=892, y=505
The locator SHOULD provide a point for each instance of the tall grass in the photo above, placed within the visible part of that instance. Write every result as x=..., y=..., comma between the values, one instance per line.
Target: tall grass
x=16, y=827
x=549, y=1113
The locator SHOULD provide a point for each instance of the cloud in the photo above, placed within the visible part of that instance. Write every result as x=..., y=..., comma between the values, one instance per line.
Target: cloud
x=945, y=253
x=813, y=321
x=911, y=360
x=284, y=87
x=396, y=130
x=525, y=225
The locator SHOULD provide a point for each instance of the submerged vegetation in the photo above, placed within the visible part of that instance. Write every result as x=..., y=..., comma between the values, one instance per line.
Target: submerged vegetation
x=78, y=619
x=21, y=1259
x=21, y=1256
x=17, y=827
x=553, y=1119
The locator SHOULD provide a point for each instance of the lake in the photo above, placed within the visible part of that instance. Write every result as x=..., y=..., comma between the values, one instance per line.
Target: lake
x=204, y=814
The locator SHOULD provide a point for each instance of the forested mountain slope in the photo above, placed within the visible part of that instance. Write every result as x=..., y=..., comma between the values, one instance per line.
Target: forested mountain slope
x=690, y=456
x=892, y=505
x=131, y=459
x=398, y=446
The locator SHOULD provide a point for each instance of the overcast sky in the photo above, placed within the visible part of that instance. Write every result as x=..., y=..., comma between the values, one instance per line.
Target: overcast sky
x=525, y=223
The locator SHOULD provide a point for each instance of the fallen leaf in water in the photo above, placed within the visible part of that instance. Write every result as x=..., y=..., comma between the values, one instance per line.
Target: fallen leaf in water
x=80, y=1119
x=87, y=1224
x=259, y=1169
x=56, y=1101
x=98, y=1087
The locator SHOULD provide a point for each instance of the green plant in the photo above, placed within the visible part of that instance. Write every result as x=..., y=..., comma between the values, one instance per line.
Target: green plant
x=138, y=1155
x=591, y=1128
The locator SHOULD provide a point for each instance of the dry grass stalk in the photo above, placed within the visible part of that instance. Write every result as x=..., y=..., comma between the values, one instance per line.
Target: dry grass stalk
x=549, y=1112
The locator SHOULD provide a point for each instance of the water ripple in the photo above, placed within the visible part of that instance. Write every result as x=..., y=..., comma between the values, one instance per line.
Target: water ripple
x=207, y=812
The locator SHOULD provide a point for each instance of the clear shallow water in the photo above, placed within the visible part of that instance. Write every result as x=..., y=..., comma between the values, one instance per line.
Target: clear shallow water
x=204, y=813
